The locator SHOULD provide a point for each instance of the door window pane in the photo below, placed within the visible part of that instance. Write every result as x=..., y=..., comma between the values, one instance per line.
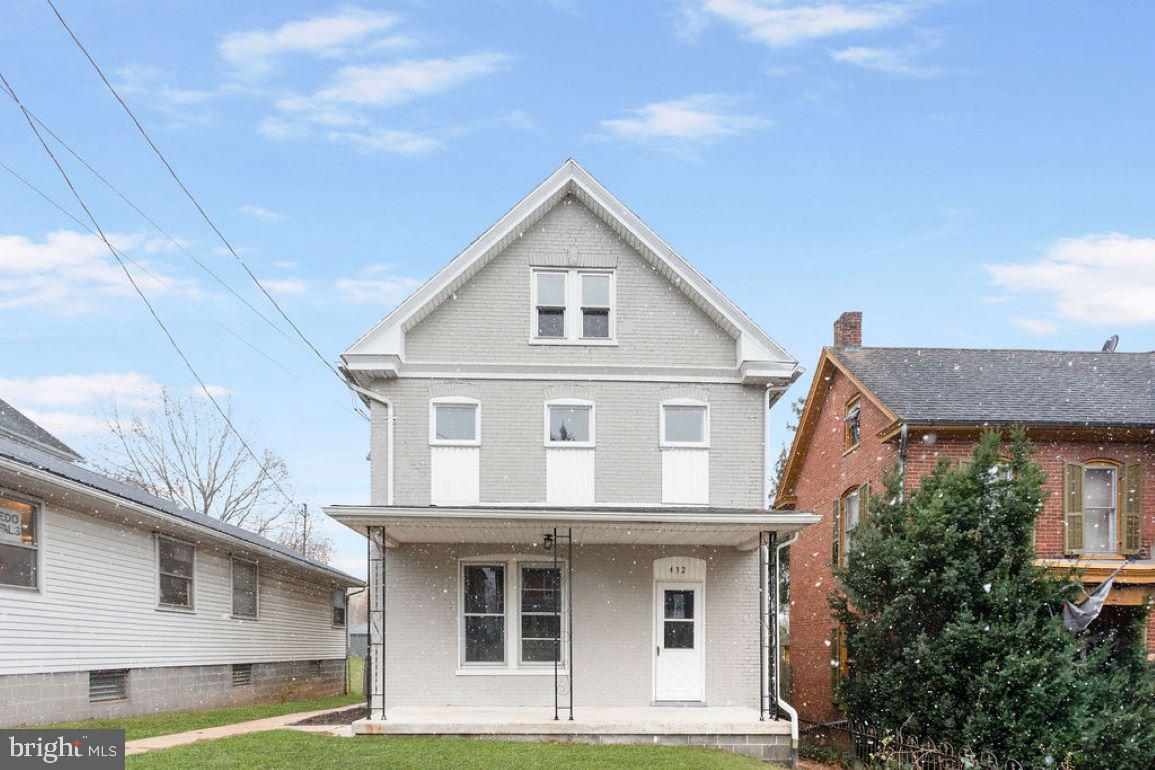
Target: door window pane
x=680, y=605
x=455, y=422
x=569, y=423
x=685, y=424
x=679, y=635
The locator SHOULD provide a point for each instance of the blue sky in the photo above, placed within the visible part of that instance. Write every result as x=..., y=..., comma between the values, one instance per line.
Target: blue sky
x=965, y=173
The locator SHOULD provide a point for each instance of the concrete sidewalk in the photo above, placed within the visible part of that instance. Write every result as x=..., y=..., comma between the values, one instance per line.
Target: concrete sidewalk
x=157, y=742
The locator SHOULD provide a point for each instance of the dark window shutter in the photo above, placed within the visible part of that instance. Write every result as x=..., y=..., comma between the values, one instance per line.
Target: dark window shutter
x=1073, y=508
x=835, y=663
x=836, y=533
x=1132, y=508
x=864, y=503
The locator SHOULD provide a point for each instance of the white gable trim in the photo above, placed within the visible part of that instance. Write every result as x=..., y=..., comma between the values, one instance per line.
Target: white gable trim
x=387, y=338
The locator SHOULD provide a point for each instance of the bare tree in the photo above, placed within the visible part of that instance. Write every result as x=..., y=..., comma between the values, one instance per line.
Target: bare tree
x=184, y=450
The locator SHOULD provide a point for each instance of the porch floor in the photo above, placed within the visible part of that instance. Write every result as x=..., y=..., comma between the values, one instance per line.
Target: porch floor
x=588, y=720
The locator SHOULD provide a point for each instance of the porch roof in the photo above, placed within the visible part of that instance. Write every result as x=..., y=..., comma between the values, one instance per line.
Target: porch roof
x=591, y=525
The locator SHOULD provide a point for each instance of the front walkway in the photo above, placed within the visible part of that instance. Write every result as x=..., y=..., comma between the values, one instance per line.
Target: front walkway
x=157, y=742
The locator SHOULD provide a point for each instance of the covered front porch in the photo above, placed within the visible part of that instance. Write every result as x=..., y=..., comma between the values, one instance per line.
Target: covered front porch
x=661, y=624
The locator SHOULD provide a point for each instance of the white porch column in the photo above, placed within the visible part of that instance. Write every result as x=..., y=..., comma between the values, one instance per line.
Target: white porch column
x=377, y=622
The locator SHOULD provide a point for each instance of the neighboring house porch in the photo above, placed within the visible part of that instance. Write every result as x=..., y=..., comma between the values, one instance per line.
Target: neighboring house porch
x=623, y=625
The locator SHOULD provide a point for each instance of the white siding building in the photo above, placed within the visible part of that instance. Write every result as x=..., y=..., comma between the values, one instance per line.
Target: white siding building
x=115, y=602
x=568, y=513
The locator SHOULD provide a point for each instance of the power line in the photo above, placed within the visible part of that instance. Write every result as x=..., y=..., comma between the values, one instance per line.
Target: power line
x=139, y=265
x=144, y=298
x=189, y=195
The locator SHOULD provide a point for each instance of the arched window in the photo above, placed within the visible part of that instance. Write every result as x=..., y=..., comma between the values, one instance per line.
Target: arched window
x=851, y=424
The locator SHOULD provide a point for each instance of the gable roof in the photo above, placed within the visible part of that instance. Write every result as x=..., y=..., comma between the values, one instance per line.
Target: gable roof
x=33, y=461
x=16, y=426
x=386, y=338
x=949, y=386
x=979, y=387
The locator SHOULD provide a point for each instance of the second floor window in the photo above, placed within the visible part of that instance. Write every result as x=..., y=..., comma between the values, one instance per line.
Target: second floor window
x=455, y=422
x=1100, y=511
x=573, y=306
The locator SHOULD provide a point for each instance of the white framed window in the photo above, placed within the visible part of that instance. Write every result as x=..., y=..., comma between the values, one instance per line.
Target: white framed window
x=685, y=423
x=19, y=542
x=176, y=566
x=1100, y=508
x=454, y=421
x=511, y=615
x=246, y=588
x=569, y=423
x=339, y=606
x=573, y=306
x=851, y=515
x=483, y=633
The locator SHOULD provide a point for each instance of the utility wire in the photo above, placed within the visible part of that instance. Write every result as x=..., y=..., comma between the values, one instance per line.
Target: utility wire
x=140, y=266
x=144, y=298
x=190, y=196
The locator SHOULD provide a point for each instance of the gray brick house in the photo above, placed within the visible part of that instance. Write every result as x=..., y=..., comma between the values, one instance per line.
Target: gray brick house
x=568, y=524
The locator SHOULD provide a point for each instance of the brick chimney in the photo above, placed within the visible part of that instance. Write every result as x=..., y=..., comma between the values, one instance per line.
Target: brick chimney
x=848, y=330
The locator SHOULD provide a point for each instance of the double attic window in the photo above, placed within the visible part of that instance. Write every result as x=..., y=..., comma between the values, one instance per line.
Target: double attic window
x=573, y=306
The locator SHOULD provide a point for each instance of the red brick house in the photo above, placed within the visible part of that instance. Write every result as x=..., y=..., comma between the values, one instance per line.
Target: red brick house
x=1090, y=415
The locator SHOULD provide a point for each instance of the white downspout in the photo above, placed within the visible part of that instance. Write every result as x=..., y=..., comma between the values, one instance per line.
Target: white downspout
x=778, y=648
x=766, y=448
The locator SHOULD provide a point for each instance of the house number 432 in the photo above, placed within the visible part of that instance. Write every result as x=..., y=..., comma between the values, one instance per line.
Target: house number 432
x=677, y=570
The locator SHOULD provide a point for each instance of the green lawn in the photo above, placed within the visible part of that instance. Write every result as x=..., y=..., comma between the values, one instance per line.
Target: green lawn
x=180, y=721
x=302, y=751
x=355, y=675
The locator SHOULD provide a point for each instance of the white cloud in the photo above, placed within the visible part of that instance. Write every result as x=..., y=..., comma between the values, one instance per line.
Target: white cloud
x=377, y=284
x=1038, y=326
x=295, y=286
x=701, y=118
x=67, y=424
x=893, y=60
x=70, y=272
x=386, y=85
x=260, y=213
x=778, y=24
x=387, y=140
x=256, y=53
x=1102, y=279
x=130, y=389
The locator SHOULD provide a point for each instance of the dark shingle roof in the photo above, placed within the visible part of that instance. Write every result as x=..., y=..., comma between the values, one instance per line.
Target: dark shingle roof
x=14, y=425
x=1028, y=387
x=41, y=460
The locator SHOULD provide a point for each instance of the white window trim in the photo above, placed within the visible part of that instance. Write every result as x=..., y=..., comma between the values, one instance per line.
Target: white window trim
x=460, y=401
x=233, y=588
x=345, y=598
x=38, y=534
x=704, y=444
x=564, y=402
x=572, y=317
x=513, y=665
x=192, y=588
x=1114, y=546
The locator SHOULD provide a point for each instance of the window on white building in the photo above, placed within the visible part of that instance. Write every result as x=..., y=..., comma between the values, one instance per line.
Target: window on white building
x=540, y=605
x=246, y=586
x=19, y=543
x=176, y=560
x=570, y=424
x=339, y=601
x=550, y=302
x=483, y=611
x=573, y=306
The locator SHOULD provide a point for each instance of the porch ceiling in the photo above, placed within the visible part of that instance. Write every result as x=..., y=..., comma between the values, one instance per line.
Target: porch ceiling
x=591, y=526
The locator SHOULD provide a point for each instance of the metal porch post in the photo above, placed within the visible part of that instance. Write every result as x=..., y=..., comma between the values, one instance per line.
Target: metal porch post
x=569, y=615
x=556, y=628
x=558, y=634
x=377, y=555
x=762, y=580
x=772, y=587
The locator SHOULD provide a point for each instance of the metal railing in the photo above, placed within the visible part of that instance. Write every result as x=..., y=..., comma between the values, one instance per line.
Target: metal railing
x=865, y=746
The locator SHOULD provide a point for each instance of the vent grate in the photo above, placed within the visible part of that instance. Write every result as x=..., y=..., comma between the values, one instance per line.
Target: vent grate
x=242, y=674
x=107, y=685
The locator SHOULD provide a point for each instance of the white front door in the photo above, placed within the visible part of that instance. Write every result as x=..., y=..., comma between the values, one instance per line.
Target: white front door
x=679, y=663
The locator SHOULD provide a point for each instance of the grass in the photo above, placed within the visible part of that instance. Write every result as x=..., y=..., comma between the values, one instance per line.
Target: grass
x=355, y=675
x=180, y=721
x=303, y=751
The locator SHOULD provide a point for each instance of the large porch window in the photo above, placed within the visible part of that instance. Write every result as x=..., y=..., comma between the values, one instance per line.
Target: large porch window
x=19, y=543
x=510, y=615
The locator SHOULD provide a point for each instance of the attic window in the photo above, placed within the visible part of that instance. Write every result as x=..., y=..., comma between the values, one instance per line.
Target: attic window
x=852, y=429
x=573, y=307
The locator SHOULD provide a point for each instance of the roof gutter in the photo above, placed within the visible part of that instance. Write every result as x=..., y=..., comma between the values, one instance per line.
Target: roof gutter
x=78, y=488
x=902, y=436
